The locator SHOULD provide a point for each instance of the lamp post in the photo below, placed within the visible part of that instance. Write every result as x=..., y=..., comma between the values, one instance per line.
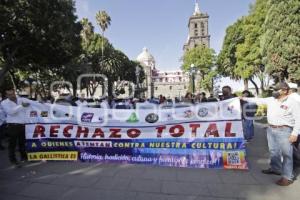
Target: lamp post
x=214, y=68
x=30, y=81
x=192, y=72
x=137, y=73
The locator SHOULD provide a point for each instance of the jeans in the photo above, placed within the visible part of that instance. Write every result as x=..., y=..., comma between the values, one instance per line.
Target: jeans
x=16, y=135
x=279, y=146
x=248, y=129
x=2, y=133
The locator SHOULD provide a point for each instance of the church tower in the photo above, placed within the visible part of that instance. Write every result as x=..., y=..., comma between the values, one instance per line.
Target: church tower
x=198, y=30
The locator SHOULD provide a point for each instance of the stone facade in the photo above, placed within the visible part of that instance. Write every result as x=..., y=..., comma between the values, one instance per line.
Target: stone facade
x=198, y=30
x=169, y=84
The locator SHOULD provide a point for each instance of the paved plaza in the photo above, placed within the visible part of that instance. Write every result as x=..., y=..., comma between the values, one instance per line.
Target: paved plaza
x=76, y=181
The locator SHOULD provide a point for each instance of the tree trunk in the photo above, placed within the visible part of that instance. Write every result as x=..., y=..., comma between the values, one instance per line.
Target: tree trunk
x=255, y=85
x=74, y=85
x=102, y=49
x=262, y=85
x=110, y=88
x=246, y=85
x=13, y=79
x=43, y=90
x=3, y=72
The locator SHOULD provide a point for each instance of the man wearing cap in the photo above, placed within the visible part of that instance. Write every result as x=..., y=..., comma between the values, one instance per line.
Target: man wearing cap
x=15, y=108
x=284, y=127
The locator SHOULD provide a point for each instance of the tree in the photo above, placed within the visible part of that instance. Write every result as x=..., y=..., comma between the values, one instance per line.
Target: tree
x=226, y=60
x=103, y=58
x=240, y=57
x=204, y=59
x=249, y=58
x=281, y=41
x=37, y=34
x=103, y=20
x=87, y=31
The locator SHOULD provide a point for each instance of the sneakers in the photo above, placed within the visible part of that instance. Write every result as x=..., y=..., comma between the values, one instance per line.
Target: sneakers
x=284, y=182
x=24, y=160
x=270, y=172
x=16, y=165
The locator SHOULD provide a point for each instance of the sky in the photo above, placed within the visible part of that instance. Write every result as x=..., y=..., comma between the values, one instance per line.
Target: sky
x=160, y=25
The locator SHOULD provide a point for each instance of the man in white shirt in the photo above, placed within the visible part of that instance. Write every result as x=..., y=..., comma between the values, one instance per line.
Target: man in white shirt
x=284, y=127
x=81, y=101
x=15, y=108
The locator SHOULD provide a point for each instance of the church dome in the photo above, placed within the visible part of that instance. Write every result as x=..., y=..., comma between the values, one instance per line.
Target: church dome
x=145, y=57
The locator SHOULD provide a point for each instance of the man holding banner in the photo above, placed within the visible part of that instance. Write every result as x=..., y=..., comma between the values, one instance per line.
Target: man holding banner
x=284, y=127
x=14, y=107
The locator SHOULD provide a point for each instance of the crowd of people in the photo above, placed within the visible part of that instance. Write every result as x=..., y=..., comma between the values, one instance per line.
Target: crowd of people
x=283, y=118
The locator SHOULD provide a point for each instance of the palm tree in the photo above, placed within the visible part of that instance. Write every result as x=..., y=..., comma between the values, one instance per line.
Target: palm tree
x=87, y=29
x=103, y=20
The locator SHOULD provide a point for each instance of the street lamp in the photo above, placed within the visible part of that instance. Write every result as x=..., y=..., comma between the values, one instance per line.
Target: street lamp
x=192, y=72
x=30, y=81
x=137, y=74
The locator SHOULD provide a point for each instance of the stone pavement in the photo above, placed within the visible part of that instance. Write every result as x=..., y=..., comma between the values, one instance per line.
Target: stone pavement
x=84, y=181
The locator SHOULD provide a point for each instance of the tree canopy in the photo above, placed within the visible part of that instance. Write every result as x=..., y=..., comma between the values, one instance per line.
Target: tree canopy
x=203, y=59
x=266, y=41
x=280, y=42
x=43, y=39
x=37, y=33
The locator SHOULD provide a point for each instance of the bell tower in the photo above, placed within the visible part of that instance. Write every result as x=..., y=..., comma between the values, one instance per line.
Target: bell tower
x=198, y=30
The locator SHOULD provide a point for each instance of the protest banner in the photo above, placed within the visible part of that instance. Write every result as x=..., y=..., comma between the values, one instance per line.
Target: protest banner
x=207, y=135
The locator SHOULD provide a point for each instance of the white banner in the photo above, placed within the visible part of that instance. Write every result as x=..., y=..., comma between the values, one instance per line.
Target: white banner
x=204, y=112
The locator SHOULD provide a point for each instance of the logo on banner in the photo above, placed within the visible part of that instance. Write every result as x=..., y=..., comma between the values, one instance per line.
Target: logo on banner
x=44, y=114
x=169, y=116
x=188, y=114
x=101, y=120
x=33, y=114
x=230, y=109
x=87, y=117
x=203, y=112
x=133, y=118
x=151, y=118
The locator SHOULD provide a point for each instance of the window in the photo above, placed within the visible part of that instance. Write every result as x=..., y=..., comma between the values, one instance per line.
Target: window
x=196, y=32
x=196, y=25
x=156, y=88
x=170, y=87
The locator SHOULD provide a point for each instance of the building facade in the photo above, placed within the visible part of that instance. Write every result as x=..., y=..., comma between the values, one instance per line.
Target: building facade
x=170, y=84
